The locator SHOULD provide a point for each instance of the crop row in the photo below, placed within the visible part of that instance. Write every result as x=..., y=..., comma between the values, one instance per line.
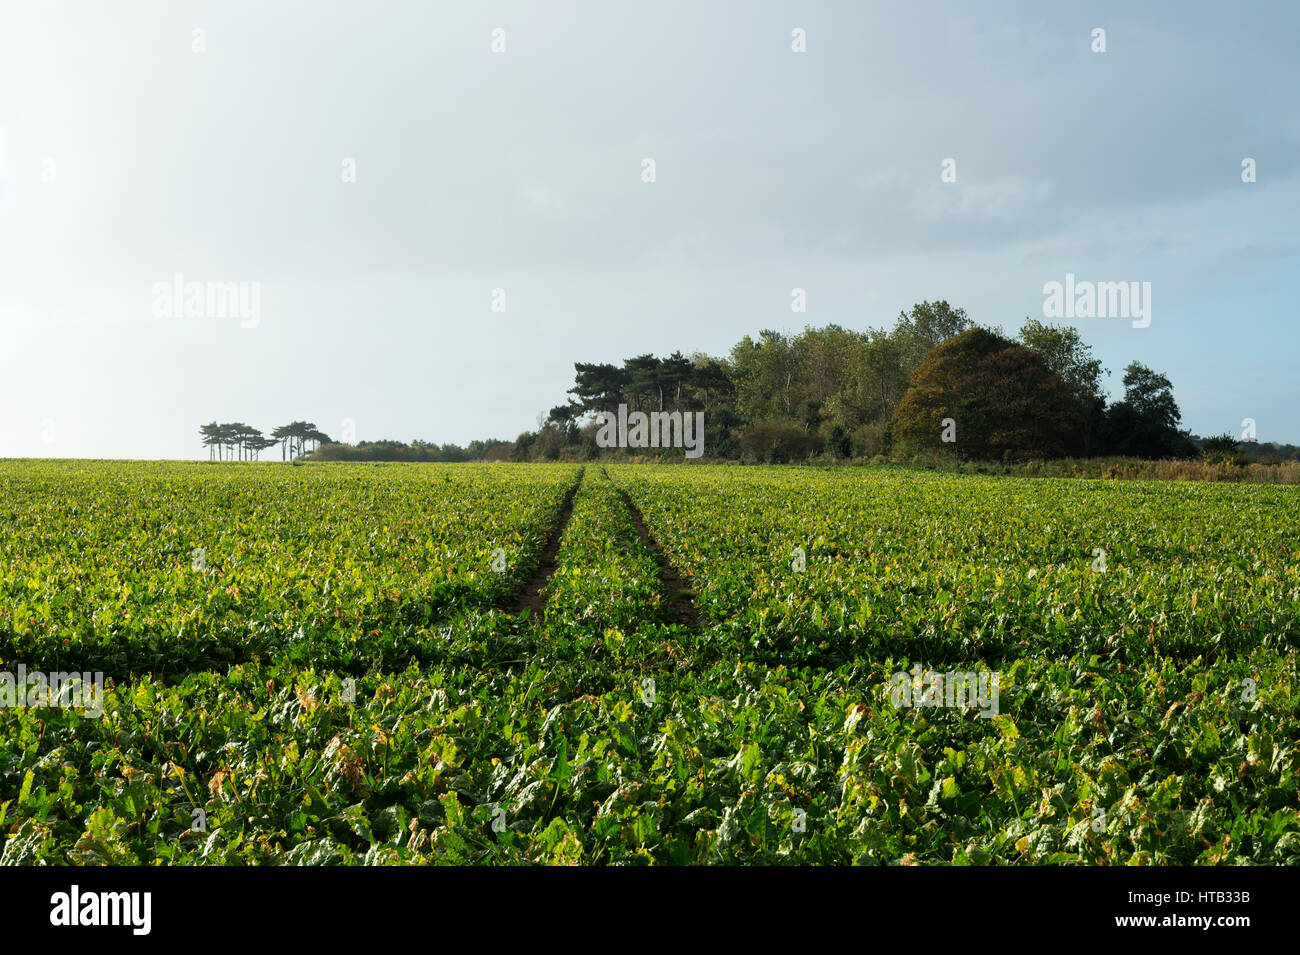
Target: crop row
x=1088, y=762
x=829, y=565
x=165, y=567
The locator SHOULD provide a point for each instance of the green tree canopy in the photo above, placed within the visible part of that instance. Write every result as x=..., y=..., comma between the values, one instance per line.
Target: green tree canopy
x=990, y=395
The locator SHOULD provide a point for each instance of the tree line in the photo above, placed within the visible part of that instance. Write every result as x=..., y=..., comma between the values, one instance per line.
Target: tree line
x=242, y=442
x=935, y=381
x=387, y=450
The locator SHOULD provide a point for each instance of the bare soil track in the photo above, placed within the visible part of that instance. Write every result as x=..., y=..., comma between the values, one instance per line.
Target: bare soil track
x=530, y=598
x=681, y=608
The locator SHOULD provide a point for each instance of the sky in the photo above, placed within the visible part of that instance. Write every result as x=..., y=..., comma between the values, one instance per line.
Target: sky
x=372, y=174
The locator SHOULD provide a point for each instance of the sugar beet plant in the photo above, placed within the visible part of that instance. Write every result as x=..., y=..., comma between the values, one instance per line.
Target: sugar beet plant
x=830, y=565
x=380, y=691
x=127, y=567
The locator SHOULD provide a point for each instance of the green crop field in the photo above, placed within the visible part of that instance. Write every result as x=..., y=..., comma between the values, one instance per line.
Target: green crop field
x=634, y=664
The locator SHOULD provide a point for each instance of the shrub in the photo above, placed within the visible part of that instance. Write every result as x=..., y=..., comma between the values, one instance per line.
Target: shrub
x=870, y=440
x=1222, y=449
x=779, y=441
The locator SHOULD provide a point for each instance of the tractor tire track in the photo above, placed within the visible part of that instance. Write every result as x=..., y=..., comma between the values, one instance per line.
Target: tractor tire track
x=680, y=603
x=530, y=596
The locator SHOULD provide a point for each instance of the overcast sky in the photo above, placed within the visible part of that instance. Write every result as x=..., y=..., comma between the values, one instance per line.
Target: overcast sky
x=128, y=157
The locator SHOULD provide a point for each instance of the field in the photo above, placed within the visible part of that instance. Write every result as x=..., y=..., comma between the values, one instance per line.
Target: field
x=634, y=664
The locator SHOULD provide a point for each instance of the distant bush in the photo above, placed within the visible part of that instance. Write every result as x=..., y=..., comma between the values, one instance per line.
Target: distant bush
x=416, y=451
x=1111, y=468
x=781, y=441
x=837, y=442
x=1222, y=449
x=870, y=440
